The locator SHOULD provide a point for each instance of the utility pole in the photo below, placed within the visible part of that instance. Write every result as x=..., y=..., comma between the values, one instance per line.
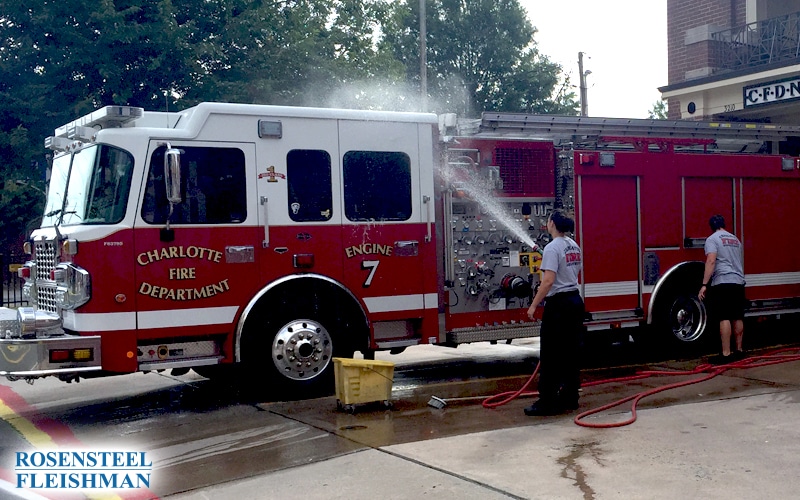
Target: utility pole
x=584, y=103
x=423, y=59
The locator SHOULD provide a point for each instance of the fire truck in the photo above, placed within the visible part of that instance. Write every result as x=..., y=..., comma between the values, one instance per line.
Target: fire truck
x=265, y=240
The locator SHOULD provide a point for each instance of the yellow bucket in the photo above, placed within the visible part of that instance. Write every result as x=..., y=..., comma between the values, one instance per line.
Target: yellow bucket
x=362, y=380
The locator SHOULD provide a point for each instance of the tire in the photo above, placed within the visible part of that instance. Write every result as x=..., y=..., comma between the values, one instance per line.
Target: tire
x=688, y=318
x=291, y=346
x=682, y=320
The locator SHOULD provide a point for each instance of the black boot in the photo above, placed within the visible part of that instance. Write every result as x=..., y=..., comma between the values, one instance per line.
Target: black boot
x=543, y=408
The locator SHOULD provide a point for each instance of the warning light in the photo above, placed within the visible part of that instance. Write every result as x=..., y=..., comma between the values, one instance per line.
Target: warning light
x=59, y=355
x=304, y=260
x=24, y=272
x=82, y=355
x=65, y=355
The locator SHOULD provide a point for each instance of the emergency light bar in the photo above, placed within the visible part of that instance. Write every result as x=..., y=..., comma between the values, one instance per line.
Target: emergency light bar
x=57, y=143
x=107, y=117
x=85, y=134
x=84, y=129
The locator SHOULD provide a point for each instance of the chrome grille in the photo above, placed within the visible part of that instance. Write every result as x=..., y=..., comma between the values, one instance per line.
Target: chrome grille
x=46, y=258
x=47, y=298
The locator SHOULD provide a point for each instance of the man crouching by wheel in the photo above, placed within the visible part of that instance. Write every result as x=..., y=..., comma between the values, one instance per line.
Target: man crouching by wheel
x=562, y=321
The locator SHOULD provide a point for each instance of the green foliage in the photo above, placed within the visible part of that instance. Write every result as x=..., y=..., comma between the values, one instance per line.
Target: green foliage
x=658, y=111
x=21, y=208
x=481, y=55
x=63, y=59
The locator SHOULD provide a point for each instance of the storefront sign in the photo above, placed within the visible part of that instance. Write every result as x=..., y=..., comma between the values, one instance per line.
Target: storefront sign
x=772, y=92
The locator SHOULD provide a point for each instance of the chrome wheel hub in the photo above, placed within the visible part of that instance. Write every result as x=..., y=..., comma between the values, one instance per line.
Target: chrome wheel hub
x=302, y=349
x=688, y=319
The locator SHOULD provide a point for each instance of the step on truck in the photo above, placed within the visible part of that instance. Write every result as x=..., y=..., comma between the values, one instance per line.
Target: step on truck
x=267, y=240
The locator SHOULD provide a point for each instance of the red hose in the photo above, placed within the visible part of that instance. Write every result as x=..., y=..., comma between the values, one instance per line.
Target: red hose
x=707, y=371
x=512, y=395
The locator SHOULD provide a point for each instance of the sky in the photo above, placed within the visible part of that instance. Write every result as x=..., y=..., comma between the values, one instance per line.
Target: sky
x=624, y=44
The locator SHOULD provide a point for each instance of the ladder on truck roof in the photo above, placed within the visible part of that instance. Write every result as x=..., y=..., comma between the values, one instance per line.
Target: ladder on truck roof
x=581, y=128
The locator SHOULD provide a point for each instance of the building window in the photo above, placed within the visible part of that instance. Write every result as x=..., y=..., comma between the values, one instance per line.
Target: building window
x=377, y=186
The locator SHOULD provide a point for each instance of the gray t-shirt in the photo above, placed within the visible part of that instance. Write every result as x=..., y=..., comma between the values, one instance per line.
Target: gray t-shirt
x=563, y=257
x=729, y=267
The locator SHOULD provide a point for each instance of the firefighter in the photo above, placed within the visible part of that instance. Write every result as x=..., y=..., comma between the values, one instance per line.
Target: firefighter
x=723, y=286
x=562, y=321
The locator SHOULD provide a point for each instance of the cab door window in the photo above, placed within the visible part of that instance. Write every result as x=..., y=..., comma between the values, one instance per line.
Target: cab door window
x=377, y=186
x=213, y=187
x=308, y=176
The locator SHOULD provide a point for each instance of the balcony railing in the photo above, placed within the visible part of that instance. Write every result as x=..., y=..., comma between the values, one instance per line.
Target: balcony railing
x=763, y=42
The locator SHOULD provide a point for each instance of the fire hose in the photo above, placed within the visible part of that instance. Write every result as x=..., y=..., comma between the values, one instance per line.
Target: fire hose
x=705, y=371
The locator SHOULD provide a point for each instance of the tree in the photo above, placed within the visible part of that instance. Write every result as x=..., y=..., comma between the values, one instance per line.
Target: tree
x=481, y=56
x=658, y=111
x=60, y=60
x=292, y=52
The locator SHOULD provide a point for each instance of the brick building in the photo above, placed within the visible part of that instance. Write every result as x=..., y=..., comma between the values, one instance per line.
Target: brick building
x=734, y=60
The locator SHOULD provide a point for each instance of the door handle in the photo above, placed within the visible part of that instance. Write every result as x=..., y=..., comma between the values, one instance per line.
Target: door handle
x=265, y=243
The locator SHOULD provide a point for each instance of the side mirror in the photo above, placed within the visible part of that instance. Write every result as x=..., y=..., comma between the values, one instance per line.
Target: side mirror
x=172, y=181
x=172, y=174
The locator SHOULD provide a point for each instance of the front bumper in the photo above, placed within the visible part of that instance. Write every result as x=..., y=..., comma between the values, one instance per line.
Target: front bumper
x=39, y=353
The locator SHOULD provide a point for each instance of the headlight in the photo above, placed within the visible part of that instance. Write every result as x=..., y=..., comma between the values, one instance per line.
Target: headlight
x=37, y=323
x=74, y=286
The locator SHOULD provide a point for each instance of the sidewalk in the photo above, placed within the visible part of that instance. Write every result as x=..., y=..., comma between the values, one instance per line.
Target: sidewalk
x=734, y=436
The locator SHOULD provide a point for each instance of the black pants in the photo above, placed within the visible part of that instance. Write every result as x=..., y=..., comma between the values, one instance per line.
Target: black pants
x=560, y=340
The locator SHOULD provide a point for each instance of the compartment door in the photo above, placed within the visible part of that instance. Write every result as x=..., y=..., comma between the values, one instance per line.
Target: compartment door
x=608, y=232
x=385, y=225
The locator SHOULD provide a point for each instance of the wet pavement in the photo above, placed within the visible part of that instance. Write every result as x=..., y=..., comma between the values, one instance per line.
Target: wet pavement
x=730, y=437
x=733, y=436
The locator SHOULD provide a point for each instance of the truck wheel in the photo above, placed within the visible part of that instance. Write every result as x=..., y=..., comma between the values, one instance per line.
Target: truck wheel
x=688, y=318
x=683, y=319
x=302, y=349
x=296, y=350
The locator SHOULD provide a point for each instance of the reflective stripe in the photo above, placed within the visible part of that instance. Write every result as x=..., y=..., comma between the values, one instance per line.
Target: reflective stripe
x=610, y=288
x=767, y=279
x=431, y=301
x=393, y=303
x=99, y=322
x=187, y=317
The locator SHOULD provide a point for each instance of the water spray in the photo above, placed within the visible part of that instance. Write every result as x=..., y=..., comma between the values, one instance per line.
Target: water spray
x=466, y=181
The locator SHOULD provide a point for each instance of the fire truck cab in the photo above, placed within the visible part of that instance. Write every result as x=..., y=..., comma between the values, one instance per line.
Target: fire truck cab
x=273, y=237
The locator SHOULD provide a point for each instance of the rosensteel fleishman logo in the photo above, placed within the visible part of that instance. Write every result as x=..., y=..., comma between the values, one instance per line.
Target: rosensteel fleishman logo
x=82, y=470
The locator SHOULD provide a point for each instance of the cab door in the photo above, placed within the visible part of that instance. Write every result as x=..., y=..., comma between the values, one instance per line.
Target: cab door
x=385, y=225
x=192, y=279
x=298, y=200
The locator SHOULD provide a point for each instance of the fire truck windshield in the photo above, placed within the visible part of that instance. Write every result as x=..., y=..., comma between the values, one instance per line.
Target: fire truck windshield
x=89, y=186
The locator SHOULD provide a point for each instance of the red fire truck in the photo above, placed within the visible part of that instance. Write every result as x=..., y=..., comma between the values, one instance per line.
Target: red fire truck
x=270, y=239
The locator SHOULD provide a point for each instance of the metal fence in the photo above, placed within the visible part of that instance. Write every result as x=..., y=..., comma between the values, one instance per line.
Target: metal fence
x=11, y=283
